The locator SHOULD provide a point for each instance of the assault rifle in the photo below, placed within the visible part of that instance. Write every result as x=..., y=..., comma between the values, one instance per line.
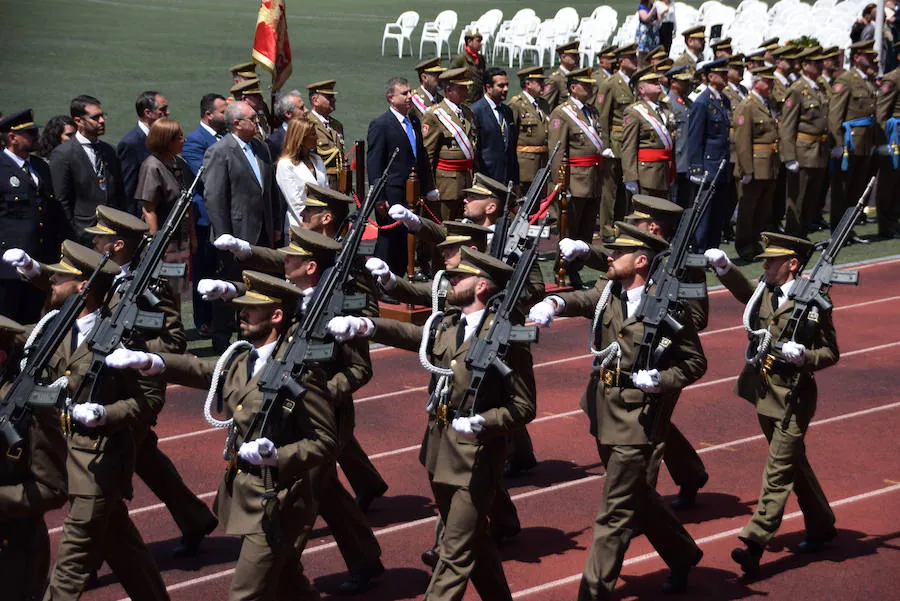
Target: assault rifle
x=26, y=393
x=809, y=293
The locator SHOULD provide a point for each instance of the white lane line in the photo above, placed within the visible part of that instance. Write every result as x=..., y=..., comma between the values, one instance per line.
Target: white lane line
x=536, y=365
x=702, y=541
x=535, y=493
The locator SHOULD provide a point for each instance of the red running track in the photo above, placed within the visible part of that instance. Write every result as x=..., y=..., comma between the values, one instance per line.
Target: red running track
x=851, y=446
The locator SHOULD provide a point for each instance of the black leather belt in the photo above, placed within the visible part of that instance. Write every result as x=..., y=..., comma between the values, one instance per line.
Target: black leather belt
x=616, y=377
x=249, y=468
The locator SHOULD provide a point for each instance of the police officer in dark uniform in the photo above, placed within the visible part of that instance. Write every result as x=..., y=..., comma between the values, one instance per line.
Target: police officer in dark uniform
x=30, y=216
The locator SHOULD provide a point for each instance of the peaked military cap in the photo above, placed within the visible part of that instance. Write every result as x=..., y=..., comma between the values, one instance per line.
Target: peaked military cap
x=486, y=186
x=866, y=47
x=627, y=50
x=79, y=260
x=766, y=72
x=720, y=65
x=695, y=32
x=654, y=208
x=786, y=52
x=723, y=44
x=319, y=196
x=735, y=60
x=19, y=122
x=247, y=69
x=646, y=74
x=323, y=87
x=757, y=55
x=265, y=289
x=630, y=237
x=474, y=262
x=658, y=52
x=246, y=88
x=568, y=48
x=664, y=65
x=770, y=44
x=608, y=52
x=782, y=245
x=812, y=53
x=459, y=232
x=536, y=72
x=9, y=326
x=681, y=73
x=458, y=76
x=834, y=52
x=307, y=243
x=432, y=65
x=113, y=222
x=581, y=75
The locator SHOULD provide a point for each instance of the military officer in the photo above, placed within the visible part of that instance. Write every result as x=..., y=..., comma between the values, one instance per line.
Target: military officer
x=695, y=42
x=250, y=92
x=756, y=154
x=657, y=55
x=784, y=369
x=531, y=114
x=648, y=159
x=753, y=60
x=556, y=88
x=888, y=114
x=680, y=107
x=428, y=92
x=31, y=484
x=606, y=65
x=449, y=136
x=465, y=477
x=273, y=534
x=769, y=46
x=31, y=217
x=721, y=48
x=243, y=72
x=630, y=440
x=329, y=134
x=851, y=119
x=474, y=62
x=804, y=144
x=736, y=92
x=784, y=67
x=832, y=67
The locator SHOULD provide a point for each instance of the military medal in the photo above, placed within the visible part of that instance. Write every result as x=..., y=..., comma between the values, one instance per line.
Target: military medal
x=14, y=181
x=101, y=181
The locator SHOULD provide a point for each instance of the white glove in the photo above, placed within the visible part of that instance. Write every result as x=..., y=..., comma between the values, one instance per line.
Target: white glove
x=212, y=290
x=747, y=179
x=608, y=153
x=347, y=327
x=573, y=249
x=123, y=358
x=261, y=451
x=379, y=269
x=91, y=415
x=239, y=248
x=406, y=217
x=837, y=152
x=468, y=427
x=794, y=352
x=646, y=380
x=542, y=313
x=18, y=258
x=696, y=179
x=792, y=166
x=718, y=259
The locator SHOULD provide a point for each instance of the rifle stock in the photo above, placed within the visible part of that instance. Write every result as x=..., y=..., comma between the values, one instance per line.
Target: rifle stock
x=563, y=226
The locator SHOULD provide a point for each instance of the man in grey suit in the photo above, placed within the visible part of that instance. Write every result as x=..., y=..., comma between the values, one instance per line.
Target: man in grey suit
x=237, y=186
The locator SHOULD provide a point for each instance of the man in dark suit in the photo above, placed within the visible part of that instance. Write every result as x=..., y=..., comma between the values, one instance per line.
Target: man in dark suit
x=203, y=262
x=85, y=171
x=288, y=106
x=31, y=218
x=237, y=185
x=497, y=133
x=150, y=106
x=398, y=127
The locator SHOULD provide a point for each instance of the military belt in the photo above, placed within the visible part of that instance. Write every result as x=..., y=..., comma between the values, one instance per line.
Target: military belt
x=772, y=365
x=532, y=149
x=812, y=137
x=249, y=468
x=773, y=146
x=617, y=128
x=616, y=377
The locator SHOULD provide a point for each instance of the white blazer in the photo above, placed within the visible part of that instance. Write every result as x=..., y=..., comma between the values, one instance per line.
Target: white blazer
x=292, y=180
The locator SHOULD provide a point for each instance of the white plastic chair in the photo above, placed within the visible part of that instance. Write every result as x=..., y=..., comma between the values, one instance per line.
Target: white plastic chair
x=438, y=32
x=401, y=30
x=519, y=33
x=567, y=17
x=540, y=42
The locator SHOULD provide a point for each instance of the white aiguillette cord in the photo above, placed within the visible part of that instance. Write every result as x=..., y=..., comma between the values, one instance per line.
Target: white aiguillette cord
x=214, y=390
x=613, y=351
x=761, y=338
x=442, y=386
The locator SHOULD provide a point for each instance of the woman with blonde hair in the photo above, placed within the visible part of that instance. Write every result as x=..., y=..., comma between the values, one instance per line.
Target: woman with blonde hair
x=163, y=177
x=298, y=166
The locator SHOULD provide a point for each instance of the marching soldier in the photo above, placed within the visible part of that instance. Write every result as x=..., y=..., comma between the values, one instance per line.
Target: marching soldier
x=329, y=133
x=449, y=136
x=273, y=534
x=695, y=42
x=576, y=127
x=556, y=88
x=648, y=159
x=250, y=92
x=428, y=92
x=769, y=383
x=613, y=97
x=680, y=107
x=629, y=440
x=606, y=65
x=475, y=64
x=454, y=465
x=851, y=119
x=30, y=485
x=804, y=144
x=756, y=154
x=888, y=114
x=531, y=114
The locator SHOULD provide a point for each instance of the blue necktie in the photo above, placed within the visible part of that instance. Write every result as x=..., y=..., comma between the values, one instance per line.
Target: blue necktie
x=407, y=124
x=251, y=158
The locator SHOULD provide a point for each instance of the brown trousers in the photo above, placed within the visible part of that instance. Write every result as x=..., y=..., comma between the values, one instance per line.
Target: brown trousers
x=361, y=474
x=803, y=190
x=24, y=558
x=754, y=214
x=682, y=461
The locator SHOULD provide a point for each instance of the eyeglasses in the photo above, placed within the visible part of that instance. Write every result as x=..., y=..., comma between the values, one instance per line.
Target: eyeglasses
x=163, y=109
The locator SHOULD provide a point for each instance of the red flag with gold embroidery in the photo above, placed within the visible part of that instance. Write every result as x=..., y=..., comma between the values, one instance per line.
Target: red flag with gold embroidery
x=271, y=47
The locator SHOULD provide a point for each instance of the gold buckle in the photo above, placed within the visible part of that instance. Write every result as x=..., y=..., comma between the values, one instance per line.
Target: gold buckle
x=610, y=377
x=443, y=413
x=15, y=455
x=768, y=363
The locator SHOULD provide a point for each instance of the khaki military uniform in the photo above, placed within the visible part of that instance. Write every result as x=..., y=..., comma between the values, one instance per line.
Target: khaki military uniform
x=425, y=100
x=556, y=88
x=532, y=123
x=756, y=153
x=804, y=138
x=853, y=97
x=330, y=147
x=887, y=108
x=586, y=166
x=600, y=76
x=647, y=155
x=476, y=73
x=686, y=60
x=735, y=192
x=787, y=467
x=465, y=476
x=452, y=169
x=621, y=422
x=779, y=92
x=30, y=486
x=613, y=97
x=308, y=438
